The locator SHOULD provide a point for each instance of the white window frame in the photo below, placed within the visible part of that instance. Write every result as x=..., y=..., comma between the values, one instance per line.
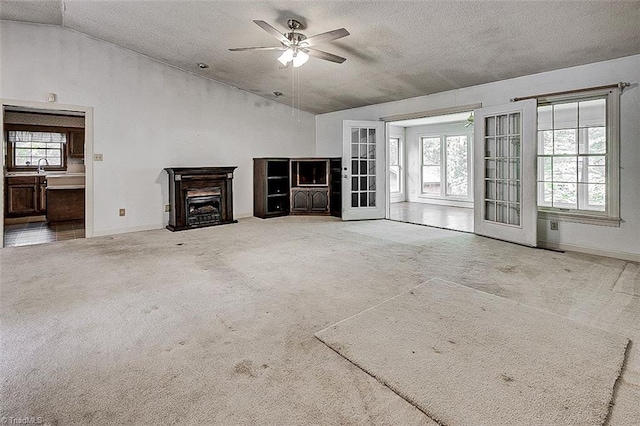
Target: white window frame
x=443, y=166
x=611, y=215
x=13, y=149
x=400, y=195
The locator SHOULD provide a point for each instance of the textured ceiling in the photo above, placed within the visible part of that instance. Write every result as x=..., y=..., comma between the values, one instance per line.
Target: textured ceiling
x=396, y=50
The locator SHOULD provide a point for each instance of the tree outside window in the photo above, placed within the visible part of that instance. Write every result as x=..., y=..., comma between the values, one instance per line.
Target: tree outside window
x=445, y=166
x=572, y=155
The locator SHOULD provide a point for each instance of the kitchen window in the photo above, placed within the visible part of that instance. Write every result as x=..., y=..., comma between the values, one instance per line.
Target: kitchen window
x=28, y=148
x=578, y=159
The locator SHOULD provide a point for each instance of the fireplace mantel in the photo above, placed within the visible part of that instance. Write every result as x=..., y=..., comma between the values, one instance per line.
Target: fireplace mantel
x=190, y=186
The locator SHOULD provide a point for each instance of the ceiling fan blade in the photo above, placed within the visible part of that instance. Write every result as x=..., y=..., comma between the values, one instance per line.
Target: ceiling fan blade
x=325, y=37
x=242, y=49
x=324, y=55
x=277, y=34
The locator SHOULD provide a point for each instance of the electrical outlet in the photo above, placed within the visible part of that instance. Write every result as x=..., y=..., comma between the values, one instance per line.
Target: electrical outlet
x=554, y=225
x=121, y=212
x=167, y=208
x=97, y=157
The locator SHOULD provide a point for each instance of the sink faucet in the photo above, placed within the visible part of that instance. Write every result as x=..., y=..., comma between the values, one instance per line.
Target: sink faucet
x=40, y=168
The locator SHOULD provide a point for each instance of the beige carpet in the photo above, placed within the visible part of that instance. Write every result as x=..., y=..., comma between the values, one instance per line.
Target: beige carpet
x=629, y=281
x=216, y=326
x=465, y=357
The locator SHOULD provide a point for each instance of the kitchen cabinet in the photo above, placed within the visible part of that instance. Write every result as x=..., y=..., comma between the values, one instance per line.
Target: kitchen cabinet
x=65, y=203
x=42, y=195
x=25, y=195
x=76, y=144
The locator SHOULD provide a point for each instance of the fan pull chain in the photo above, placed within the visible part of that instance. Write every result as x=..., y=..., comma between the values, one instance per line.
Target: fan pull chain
x=298, y=83
x=293, y=91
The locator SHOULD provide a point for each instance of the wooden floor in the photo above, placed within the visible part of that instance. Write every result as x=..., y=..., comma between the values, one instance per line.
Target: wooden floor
x=455, y=218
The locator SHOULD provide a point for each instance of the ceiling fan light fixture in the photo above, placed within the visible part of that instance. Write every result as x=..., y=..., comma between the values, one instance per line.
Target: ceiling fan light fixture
x=300, y=58
x=286, y=57
x=296, y=45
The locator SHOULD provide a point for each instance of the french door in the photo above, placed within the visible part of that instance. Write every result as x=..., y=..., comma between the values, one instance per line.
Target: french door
x=504, y=167
x=363, y=170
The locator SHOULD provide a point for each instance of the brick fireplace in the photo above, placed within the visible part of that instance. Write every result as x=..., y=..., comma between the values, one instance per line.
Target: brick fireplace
x=200, y=196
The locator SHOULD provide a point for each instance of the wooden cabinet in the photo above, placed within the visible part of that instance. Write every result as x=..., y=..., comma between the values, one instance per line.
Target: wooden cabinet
x=310, y=186
x=270, y=187
x=304, y=200
x=65, y=204
x=42, y=197
x=76, y=144
x=283, y=186
x=25, y=195
x=335, y=186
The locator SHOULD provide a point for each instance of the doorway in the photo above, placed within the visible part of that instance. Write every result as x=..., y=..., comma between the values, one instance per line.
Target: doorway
x=46, y=184
x=430, y=167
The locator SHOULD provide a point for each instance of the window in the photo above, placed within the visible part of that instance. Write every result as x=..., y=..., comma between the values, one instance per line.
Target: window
x=27, y=148
x=578, y=157
x=395, y=165
x=445, y=166
x=431, y=154
x=457, y=177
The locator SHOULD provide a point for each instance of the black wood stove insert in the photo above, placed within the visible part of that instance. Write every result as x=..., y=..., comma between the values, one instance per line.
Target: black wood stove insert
x=200, y=196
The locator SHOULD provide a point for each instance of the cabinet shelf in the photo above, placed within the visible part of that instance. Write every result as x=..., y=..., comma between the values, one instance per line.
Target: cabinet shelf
x=270, y=187
x=316, y=189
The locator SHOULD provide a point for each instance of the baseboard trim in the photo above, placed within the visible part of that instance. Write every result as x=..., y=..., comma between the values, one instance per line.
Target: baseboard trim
x=633, y=257
x=442, y=202
x=242, y=215
x=105, y=232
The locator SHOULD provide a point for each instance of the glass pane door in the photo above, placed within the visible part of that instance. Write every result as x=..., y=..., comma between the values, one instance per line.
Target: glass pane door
x=363, y=167
x=504, y=184
x=502, y=162
x=363, y=170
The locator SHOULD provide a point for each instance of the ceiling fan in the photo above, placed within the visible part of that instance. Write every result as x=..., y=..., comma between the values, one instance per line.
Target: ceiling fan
x=469, y=122
x=296, y=46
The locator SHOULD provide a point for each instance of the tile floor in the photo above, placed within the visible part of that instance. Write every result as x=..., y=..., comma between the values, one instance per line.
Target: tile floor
x=25, y=231
x=455, y=218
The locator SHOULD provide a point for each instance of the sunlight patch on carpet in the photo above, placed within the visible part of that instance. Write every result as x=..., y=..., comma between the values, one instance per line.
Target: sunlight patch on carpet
x=629, y=280
x=465, y=357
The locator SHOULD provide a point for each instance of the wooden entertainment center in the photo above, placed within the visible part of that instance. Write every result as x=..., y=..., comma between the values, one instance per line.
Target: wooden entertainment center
x=283, y=186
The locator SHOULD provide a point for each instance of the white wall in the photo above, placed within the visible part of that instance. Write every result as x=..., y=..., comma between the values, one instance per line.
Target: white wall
x=414, y=160
x=623, y=241
x=147, y=116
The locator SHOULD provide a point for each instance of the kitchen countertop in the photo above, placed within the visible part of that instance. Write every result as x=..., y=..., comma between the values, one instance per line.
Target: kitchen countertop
x=20, y=174
x=65, y=187
x=47, y=174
